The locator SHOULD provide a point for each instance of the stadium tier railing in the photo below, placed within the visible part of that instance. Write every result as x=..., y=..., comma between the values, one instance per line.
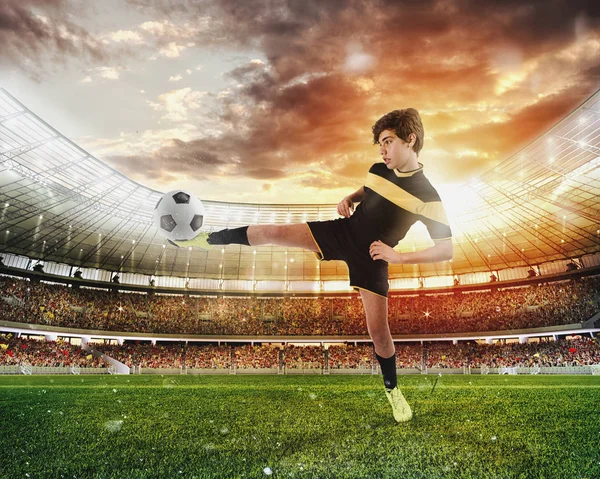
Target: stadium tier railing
x=355, y=371
x=256, y=371
x=207, y=371
x=159, y=370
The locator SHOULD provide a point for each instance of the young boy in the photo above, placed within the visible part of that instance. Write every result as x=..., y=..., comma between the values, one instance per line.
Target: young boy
x=396, y=194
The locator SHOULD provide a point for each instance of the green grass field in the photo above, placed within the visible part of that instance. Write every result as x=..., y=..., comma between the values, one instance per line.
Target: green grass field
x=298, y=427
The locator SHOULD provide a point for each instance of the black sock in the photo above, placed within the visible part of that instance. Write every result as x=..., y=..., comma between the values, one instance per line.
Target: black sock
x=227, y=236
x=388, y=369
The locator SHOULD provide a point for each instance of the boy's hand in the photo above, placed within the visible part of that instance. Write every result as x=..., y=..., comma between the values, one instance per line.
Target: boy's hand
x=345, y=207
x=379, y=250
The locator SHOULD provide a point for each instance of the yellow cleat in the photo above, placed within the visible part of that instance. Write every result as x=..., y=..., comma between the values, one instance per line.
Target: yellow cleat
x=400, y=407
x=199, y=241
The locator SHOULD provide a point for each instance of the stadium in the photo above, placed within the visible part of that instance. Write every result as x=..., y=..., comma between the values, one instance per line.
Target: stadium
x=89, y=287
x=126, y=355
x=532, y=245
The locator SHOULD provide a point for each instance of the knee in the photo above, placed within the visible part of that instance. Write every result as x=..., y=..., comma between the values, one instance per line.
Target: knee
x=277, y=233
x=381, y=338
x=263, y=234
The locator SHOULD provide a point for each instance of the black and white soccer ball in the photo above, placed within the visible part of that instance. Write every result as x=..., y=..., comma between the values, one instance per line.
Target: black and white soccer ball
x=179, y=215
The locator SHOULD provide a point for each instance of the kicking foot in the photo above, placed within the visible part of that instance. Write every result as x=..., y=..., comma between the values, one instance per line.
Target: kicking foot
x=400, y=407
x=200, y=241
x=217, y=237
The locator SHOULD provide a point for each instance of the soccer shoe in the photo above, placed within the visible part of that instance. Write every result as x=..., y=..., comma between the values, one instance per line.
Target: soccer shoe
x=400, y=407
x=197, y=242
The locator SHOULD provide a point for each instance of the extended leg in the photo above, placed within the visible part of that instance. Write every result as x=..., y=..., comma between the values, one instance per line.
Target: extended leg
x=295, y=236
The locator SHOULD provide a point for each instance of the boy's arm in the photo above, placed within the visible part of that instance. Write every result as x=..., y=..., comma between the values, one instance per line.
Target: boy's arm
x=443, y=250
x=346, y=206
x=358, y=195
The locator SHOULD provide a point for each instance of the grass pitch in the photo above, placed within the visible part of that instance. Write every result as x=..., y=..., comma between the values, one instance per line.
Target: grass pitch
x=298, y=427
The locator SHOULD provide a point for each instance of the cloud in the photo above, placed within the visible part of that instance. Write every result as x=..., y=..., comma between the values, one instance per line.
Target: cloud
x=176, y=104
x=175, y=78
x=265, y=144
x=109, y=73
x=155, y=28
x=171, y=38
x=357, y=61
x=172, y=50
x=198, y=159
x=176, y=30
x=266, y=173
x=499, y=140
x=35, y=34
x=126, y=36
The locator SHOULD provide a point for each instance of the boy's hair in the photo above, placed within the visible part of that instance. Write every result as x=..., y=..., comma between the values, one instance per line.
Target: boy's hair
x=403, y=123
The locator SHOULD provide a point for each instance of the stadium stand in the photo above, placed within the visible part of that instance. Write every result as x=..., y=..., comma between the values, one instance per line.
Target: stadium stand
x=575, y=352
x=536, y=306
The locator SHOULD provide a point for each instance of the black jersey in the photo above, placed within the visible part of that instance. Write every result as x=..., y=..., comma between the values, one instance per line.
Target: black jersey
x=394, y=201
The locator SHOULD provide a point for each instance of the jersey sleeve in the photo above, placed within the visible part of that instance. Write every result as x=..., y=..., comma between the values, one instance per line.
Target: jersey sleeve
x=434, y=217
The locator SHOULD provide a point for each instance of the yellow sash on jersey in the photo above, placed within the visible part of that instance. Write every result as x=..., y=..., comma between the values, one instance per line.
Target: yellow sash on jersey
x=433, y=210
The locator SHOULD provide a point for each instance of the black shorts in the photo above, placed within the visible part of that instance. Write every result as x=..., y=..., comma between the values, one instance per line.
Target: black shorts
x=336, y=241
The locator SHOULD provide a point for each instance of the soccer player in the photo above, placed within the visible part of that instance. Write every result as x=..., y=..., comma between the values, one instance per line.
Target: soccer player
x=395, y=195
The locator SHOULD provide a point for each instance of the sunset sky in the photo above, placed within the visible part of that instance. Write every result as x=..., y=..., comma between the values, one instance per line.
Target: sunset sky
x=273, y=101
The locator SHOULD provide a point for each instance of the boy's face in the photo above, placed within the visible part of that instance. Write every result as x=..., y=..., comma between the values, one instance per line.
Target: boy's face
x=395, y=152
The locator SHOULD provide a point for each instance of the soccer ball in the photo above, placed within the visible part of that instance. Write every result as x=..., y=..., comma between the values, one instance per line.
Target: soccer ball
x=179, y=215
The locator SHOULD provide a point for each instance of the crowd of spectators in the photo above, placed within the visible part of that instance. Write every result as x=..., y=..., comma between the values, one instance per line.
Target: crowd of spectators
x=168, y=355
x=533, y=306
x=576, y=351
x=256, y=357
x=208, y=357
x=144, y=355
x=346, y=356
x=409, y=356
x=303, y=357
x=17, y=351
x=580, y=351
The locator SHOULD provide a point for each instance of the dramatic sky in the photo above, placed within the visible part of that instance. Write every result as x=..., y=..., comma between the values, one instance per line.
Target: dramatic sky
x=272, y=101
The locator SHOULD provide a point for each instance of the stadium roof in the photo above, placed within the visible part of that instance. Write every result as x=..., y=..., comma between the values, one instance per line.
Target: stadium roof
x=59, y=203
